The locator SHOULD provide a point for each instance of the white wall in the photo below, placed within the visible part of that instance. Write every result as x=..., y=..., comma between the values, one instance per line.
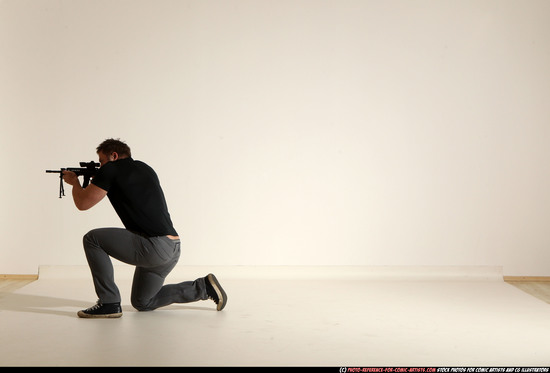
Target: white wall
x=286, y=132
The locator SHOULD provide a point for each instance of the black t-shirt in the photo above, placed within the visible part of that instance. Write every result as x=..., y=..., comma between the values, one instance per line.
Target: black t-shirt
x=135, y=193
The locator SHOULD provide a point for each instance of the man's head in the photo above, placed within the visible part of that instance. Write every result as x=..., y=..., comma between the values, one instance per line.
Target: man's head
x=111, y=150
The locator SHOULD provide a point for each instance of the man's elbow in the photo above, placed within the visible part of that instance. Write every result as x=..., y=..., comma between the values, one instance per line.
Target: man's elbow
x=85, y=199
x=83, y=204
x=82, y=207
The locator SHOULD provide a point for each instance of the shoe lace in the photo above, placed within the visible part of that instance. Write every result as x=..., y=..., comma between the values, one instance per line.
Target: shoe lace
x=95, y=307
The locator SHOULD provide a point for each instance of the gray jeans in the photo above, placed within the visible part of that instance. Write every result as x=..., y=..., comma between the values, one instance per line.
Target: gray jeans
x=154, y=258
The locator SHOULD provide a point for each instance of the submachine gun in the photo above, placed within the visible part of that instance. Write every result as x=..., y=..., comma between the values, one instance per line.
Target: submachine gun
x=87, y=169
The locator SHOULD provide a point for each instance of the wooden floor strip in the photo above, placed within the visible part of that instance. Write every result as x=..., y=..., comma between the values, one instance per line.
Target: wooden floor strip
x=18, y=277
x=526, y=278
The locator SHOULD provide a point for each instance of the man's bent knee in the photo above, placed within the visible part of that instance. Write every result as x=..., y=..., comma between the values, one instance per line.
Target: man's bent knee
x=140, y=305
x=89, y=239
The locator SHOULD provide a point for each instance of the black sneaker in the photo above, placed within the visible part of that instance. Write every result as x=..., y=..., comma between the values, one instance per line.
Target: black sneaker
x=215, y=291
x=101, y=311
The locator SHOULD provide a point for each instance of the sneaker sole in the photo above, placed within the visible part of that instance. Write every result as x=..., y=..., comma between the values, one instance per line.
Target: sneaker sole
x=219, y=291
x=84, y=315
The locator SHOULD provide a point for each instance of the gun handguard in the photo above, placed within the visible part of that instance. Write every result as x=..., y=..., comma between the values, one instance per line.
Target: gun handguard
x=86, y=169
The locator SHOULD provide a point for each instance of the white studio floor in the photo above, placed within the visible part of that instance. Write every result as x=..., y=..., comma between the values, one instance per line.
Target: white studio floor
x=285, y=316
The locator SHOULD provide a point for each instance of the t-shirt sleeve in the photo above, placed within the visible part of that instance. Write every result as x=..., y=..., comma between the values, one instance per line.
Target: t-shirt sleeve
x=105, y=177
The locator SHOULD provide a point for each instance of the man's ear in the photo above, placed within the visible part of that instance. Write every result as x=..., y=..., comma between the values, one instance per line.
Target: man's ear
x=114, y=156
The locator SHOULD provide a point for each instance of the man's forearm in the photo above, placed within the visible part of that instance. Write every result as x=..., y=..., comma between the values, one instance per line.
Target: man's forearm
x=78, y=196
x=85, y=198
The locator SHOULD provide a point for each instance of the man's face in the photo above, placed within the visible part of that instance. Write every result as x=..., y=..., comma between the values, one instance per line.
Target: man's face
x=103, y=158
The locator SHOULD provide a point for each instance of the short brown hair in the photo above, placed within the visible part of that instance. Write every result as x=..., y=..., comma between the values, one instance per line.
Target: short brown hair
x=114, y=145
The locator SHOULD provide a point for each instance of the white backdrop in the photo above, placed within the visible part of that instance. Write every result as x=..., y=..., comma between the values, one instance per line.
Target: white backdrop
x=286, y=132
